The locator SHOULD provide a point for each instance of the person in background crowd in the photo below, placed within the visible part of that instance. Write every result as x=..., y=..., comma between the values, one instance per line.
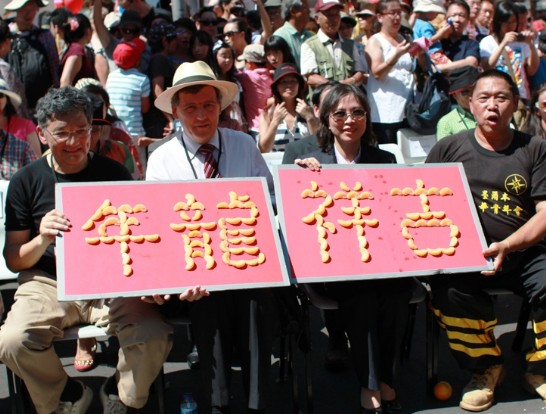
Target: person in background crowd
x=427, y=11
x=118, y=131
x=207, y=21
x=16, y=150
x=458, y=47
x=537, y=123
x=539, y=78
x=22, y=128
x=485, y=17
x=286, y=117
x=143, y=10
x=391, y=75
x=129, y=92
x=293, y=31
x=78, y=60
x=232, y=116
x=524, y=20
x=7, y=73
x=347, y=26
x=235, y=35
x=366, y=19
x=461, y=82
x=472, y=28
x=57, y=20
x=274, y=11
x=277, y=52
x=327, y=56
x=507, y=50
x=185, y=29
x=201, y=47
x=256, y=82
x=160, y=72
x=34, y=56
x=129, y=28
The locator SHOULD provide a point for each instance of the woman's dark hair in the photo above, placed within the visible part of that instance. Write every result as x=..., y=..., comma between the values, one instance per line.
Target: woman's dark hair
x=461, y=3
x=98, y=90
x=75, y=28
x=534, y=126
x=325, y=137
x=59, y=17
x=301, y=84
x=9, y=109
x=205, y=39
x=384, y=5
x=5, y=33
x=504, y=10
x=275, y=43
x=242, y=27
x=230, y=75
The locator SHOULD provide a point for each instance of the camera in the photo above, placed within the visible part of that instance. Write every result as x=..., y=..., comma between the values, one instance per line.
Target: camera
x=521, y=37
x=449, y=21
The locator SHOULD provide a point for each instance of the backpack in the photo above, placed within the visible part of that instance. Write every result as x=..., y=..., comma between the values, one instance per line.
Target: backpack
x=423, y=116
x=28, y=58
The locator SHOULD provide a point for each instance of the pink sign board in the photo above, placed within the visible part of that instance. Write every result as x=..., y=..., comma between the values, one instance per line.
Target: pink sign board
x=133, y=239
x=370, y=221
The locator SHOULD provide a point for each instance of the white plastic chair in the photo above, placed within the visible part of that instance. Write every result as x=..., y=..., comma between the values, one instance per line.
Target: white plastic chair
x=415, y=147
x=395, y=150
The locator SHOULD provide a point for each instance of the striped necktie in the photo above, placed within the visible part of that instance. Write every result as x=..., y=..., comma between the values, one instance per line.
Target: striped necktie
x=210, y=164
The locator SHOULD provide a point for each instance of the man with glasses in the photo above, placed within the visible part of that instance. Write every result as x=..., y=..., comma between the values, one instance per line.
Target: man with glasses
x=327, y=56
x=37, y=318
x=458, y=47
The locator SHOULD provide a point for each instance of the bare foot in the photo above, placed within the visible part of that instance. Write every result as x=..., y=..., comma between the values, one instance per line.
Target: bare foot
x=85, y=354
x=370, y=398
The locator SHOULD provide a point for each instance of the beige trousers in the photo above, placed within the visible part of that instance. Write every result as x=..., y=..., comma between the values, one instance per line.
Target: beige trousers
x=37, y=318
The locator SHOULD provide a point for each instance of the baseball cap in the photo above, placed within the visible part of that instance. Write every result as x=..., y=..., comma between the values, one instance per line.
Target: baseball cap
x=127, y=54
x=253, y=53
x=322, y=5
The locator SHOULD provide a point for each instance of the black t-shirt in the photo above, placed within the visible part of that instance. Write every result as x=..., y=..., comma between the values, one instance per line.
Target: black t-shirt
x=504, y=184
x=31, y=194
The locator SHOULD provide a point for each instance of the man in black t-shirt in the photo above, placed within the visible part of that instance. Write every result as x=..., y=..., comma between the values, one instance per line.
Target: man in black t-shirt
x=37, y=318
x=506, y=172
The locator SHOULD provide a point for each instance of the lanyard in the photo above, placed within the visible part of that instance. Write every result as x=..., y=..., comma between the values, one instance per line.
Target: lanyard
x=215, y=172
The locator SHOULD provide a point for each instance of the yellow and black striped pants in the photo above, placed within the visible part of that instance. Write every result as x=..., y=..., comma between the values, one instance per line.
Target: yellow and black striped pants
x=467, y=314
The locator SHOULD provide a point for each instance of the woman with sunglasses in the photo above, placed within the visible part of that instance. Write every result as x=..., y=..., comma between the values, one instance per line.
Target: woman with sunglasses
x=391, y=78
x=374, y=311
x=78, y=60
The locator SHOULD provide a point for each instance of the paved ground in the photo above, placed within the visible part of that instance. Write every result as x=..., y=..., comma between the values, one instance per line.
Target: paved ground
x=338, y=392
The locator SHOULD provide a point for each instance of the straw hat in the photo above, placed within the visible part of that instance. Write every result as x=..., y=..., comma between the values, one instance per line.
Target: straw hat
x=13, y=97
x=196, y=73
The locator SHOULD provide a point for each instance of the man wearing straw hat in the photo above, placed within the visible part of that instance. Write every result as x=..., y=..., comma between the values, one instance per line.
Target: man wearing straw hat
x=202, y=150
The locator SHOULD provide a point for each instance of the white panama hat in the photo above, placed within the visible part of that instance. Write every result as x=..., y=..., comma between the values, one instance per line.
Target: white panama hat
x=196, y=73
x=13, y=97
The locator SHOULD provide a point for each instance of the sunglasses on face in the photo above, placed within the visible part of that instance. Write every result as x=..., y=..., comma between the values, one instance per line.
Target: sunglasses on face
x=208, y=22
x=230, y=34
x=128, y=31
